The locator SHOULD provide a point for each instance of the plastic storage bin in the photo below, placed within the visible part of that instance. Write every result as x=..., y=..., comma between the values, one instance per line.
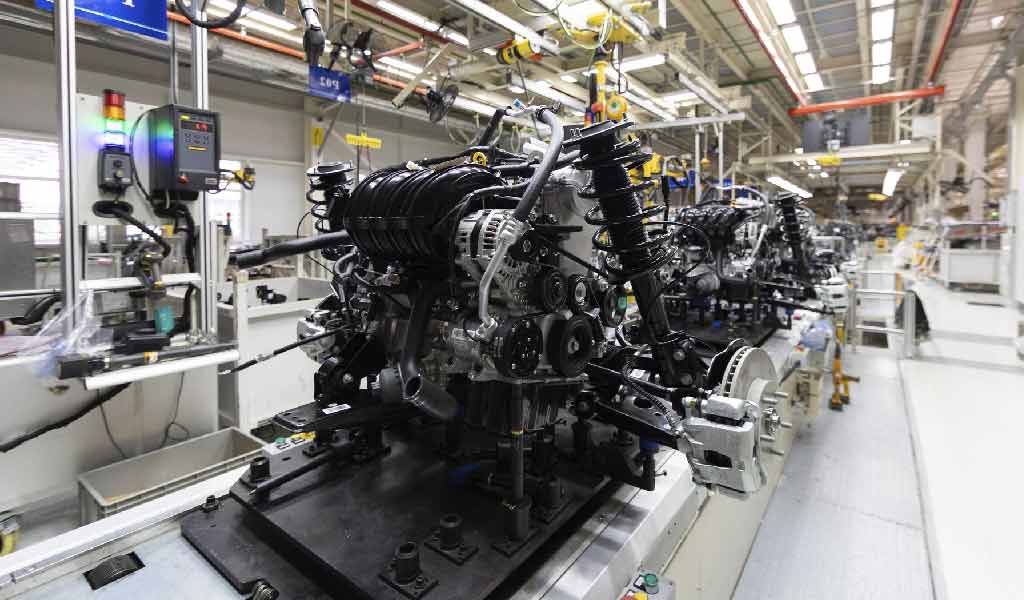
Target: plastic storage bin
x=122, y=485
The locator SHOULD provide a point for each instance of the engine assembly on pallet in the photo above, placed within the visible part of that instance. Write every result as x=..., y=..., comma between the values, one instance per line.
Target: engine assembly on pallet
x=482, y=374
x=740, y=267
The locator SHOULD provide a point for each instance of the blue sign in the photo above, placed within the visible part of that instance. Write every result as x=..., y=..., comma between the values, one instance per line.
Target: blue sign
x=332, y=85
x=147, y=17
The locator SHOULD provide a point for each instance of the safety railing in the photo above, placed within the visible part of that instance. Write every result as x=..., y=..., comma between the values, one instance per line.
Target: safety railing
x=855, y=327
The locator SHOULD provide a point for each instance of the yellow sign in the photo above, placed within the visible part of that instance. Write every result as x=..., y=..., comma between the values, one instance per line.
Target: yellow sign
x=877, y=197
x=363, y=141
x=318, y=136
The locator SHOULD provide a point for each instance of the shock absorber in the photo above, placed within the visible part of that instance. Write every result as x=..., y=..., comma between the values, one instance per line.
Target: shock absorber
x=792, y=235
x=622, y=230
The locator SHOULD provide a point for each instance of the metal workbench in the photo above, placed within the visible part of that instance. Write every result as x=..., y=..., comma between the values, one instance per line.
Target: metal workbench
x=629, y=528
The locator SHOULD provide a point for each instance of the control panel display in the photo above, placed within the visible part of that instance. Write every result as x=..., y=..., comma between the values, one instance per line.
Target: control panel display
x=184, y=151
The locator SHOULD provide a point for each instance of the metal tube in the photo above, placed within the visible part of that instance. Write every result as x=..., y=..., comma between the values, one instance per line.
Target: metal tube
x=909, y=323
x=696, y=166
x=174, y=62
x=28, y=293
x=892, y=293
x=64, y=52
x=873, y=329
x=207, y=252
x=888, y=98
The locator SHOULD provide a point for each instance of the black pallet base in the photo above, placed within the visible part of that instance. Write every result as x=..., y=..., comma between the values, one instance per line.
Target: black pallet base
x=332, y=533
x=719, y=337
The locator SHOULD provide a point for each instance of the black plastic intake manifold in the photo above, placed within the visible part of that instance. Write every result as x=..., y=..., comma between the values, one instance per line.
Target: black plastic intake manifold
x=408, y=215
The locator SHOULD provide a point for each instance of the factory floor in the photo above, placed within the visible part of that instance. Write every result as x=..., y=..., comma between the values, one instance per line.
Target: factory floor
x=913, y=491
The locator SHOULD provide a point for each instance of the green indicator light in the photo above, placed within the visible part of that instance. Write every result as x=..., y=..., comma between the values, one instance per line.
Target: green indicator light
x=650, y=579
x=114, y=125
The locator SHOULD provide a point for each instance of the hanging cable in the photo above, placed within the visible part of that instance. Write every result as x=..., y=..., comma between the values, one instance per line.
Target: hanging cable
x=100, y=399
x=225, y=21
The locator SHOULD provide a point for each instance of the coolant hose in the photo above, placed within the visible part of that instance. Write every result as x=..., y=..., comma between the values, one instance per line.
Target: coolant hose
x=255, y=258
x=492, y=126
x=416, y=388
x=544, y=169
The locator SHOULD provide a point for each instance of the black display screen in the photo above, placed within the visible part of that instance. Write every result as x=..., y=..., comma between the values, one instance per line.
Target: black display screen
x=196, y=125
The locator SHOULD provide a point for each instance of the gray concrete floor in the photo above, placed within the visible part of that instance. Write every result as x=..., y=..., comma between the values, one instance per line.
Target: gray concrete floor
x=846, y=519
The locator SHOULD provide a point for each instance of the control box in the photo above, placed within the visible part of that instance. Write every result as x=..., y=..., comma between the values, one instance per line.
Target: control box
x=115, y=173
x=184, y=152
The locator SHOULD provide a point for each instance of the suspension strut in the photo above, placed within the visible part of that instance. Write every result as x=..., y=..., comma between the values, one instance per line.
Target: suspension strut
x=622, y=231
x=332, y=181
x=792, y=235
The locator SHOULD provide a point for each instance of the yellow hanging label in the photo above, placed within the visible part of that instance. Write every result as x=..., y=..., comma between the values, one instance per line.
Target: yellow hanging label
x=363, y=141
x=318, y=136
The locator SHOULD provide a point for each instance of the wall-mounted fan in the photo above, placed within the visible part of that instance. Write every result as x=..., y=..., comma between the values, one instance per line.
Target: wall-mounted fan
x=439, y=103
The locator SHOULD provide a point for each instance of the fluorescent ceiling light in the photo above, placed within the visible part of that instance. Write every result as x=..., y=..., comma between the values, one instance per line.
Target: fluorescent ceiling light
x=502, y=20
x=414, y=18
x=881, y=3
x=456, y=37
x=568, y=78
x=814, y=82
x=259, y=16
x=795, y=38
x=251, y=25
x=880, y=74
x=574, y=14
x=400, y=64
x=544, y=88
x=882, y=24
x=789, y=186
x=782, y=10
x=473, y=106
x=678, y=97
x=515, y=89
x=805, y=62
x=769, y=45
x=648, y=106
x=892, y=177
x=641, y=62
x=881, y=53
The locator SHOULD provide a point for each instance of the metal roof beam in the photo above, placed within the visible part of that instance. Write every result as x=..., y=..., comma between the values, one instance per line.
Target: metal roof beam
x=849, y=152
x=711, y=34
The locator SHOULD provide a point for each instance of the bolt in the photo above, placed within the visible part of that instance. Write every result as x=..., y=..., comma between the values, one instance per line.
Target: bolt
x=347, y=379
x=211, y=504
x=678, y=355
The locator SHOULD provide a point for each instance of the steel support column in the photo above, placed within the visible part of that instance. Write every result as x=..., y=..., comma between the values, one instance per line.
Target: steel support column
x=207, y=251
x=1016, y=185
x=64, y=54
x=974, y=152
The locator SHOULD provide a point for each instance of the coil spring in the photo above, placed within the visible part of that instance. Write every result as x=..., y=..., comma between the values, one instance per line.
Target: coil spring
x=331, y=182
x=622, y=216
x=791, y=231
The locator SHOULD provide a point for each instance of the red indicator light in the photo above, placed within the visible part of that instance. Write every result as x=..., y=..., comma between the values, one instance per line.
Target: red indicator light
x=113, y=98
